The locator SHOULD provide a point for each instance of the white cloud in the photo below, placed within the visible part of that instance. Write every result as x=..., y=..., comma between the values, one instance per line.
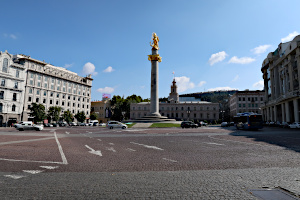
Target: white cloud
x=221, y=88
x=289, y=37
x=108, y=69
x=236, y=78
x=184, y=83
x=259, y=85
x=68, y=65
x=243, y=60
x=89, y=68
x=12, y=36
x=261, y=49
x=108, y=90
x=201, y=83
x=217, y=57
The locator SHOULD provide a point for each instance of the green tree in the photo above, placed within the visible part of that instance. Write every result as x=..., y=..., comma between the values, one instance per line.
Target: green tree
x=67, y=116
x=54, y=113
x=93, y=116
x=38, y=112
x=80, y=116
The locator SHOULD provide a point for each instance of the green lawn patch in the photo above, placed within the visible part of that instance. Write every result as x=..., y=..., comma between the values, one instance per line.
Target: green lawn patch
x=130, y=125
x=164, y=125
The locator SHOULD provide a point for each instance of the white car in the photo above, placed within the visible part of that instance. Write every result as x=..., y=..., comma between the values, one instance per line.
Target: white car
x=295, y=125
x=25, y=126
x=115, y=124
x=224, y=124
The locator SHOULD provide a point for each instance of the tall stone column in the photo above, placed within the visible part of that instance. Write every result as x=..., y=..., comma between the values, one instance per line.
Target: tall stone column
x=296, y=110
x=287, y=112
x=155, y=59
x=282, y=112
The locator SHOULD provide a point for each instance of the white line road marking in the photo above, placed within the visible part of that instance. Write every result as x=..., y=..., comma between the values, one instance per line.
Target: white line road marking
x=33, y=171
x=111, y=143
x=49, y=167
x=92, y=151
x=67, y=132
x=110, y=149
x=14, y=176
x=147, y=146
x=34, y=161
x=21, y=141
x=169, y=160
x=213, y=143
x=99, y=140
x=61, y=150
x=128, y=149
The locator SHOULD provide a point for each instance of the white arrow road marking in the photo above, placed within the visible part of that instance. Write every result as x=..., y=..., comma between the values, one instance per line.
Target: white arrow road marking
x=128, y=149
x=14, y=176
x=49, y=167
x=169, y=160
x=147, y=146
x=213, y=143
x=110, y=149
x=33, y=171
x=92, y=151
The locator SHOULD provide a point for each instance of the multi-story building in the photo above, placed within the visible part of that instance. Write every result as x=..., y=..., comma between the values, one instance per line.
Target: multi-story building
x=281, y=74
x=53, y=86
x=246, y=101
x=12, y=85
x=174, y=109
x=102, y=109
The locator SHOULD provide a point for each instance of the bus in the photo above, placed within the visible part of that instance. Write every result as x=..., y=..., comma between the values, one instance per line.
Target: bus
x=247, y=121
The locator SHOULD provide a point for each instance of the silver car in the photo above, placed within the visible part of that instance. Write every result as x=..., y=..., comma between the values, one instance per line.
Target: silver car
x=25, y=126
x=115, y=124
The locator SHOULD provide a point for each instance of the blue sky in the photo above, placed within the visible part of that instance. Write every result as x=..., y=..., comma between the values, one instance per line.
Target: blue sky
x=208, y=44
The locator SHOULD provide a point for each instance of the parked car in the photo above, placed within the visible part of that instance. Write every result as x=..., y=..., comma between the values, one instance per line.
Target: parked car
x=115, y=124
x=284, y=125
x=225, y=124
x=83, y=124
x=188, y=124
x=102, y=124
x=295, y=125
x=48, y=125
x=28, y=126
x=62, y=123
x=73, y=124
x=231, y=124
x=202, y=124
x=23, y=123
x=271, y=123
x=55, y=124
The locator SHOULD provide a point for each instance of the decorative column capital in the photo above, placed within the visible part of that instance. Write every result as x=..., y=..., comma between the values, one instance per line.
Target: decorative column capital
x=154, y=57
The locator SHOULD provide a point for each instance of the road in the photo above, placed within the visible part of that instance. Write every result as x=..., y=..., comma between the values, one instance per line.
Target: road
x=165, y=163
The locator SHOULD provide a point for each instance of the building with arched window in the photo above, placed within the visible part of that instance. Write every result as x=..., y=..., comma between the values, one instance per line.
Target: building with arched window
x=12, y=86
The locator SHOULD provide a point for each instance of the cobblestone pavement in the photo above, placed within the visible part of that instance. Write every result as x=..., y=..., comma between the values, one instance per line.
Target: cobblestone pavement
x=167, y=163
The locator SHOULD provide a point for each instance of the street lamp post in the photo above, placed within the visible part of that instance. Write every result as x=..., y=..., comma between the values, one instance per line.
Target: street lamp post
x=222, y=113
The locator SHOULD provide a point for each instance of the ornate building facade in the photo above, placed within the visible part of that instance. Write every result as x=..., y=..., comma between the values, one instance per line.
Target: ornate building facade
x=12, y=86
x=54, y=86
x=196, y=111
x=281, y=74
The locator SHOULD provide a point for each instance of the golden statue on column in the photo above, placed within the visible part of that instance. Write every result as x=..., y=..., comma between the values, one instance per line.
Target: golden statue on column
x=155, y=41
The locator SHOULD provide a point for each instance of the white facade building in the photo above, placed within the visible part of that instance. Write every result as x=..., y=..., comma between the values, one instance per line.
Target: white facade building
x=12, y=85
x=54, y=86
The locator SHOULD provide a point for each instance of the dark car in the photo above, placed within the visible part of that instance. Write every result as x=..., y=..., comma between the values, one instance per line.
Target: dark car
x=188, y=124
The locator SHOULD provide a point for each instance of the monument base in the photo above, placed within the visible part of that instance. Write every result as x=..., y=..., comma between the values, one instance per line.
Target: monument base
x=151, y=119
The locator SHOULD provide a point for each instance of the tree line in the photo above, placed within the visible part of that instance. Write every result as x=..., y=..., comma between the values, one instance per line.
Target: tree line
x=39, y=113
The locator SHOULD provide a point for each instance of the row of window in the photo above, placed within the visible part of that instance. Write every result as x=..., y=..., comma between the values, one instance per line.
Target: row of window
x=14, y=96
x=250, y=99
x=58, y=95
x=58, y=81
x=5, y=68
x=181, y=115
x=249, y=105
x=176, y=108
x=73, y=111
x=51, y=102
x=16, y=85
x=13, y=107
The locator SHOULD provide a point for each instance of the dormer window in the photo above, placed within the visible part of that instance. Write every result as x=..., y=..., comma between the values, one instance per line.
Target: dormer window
x=5, y=65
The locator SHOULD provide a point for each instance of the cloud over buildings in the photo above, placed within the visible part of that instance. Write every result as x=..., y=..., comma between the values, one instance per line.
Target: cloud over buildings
x=221, y=88
x=259, y=85
x=109, y=69
x=184, y=83
x=261, y=49
x=217, y=57
x=108, y=90
x=289, y=37
x=242, y=60
x=89, y=68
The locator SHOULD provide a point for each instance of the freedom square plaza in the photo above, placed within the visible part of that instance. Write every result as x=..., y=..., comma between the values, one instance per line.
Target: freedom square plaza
x=56, y=143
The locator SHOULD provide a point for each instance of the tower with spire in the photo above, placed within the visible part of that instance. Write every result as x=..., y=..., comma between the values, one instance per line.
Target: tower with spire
x=173, y=96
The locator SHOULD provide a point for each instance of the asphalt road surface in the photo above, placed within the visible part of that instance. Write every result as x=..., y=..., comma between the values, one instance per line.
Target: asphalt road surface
x=165, y=163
